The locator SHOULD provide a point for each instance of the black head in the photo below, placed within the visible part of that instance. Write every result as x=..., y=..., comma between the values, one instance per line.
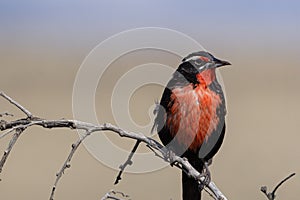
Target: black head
x=202, y=60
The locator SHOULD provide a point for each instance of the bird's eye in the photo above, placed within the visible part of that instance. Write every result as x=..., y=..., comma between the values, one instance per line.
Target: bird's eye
x=205, y=59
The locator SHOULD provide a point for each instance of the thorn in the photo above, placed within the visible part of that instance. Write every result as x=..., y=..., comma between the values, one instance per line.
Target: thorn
x=117, y=181
x=264, y=189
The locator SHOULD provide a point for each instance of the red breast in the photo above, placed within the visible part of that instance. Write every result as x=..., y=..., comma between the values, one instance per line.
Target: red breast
x=194, y=111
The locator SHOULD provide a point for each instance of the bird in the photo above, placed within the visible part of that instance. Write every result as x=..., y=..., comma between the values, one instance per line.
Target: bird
x=190, y=117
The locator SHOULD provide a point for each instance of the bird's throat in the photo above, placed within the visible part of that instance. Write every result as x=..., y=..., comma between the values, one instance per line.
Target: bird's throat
x=206, y=77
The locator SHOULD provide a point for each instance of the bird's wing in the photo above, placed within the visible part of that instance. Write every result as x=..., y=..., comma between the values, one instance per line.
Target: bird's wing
x=161, y=110
x=164, y=106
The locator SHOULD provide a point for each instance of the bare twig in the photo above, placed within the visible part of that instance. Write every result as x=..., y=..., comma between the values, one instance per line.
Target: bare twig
x=67, y=162
x=24, y=110
x=281, y=182
x=10, y=146
x=271, y=195
x=6, y=114
x=127, y=162
x=112, y=195
x=6, y=133
x=20, y=125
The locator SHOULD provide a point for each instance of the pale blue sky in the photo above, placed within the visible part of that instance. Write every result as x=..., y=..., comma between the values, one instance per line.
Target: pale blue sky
x=69, y=20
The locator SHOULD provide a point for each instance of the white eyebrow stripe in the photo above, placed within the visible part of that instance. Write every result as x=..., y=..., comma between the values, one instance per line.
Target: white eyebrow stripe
x=192, y=58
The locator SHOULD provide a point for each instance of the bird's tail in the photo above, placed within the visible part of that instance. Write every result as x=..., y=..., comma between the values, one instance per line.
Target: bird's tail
x=190, y=187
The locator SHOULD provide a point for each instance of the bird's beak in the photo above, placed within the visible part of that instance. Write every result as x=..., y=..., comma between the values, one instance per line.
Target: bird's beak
x=220, y=63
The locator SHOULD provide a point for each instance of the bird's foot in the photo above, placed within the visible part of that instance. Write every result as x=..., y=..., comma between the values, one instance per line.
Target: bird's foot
x=206, y=175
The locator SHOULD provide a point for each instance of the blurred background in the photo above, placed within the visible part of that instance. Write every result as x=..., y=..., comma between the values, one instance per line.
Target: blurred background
x=43, y=43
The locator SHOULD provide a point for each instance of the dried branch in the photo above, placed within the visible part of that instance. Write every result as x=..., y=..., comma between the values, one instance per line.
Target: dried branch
x=6, y=133
x=24, y=110
x=67, y=162
x=10, y=146
x=127, y=162
x=6, y=114
x=20, y=125
x=271, y=195
x=112, y=195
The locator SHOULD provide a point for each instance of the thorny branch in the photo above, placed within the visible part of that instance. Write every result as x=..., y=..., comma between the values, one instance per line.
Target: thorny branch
x=127, y=162
x=271, y=195
x=6, y=114
x=24, y=110
x=18, y=126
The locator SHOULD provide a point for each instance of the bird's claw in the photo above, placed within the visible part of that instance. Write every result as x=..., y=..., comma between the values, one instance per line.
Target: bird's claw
x=206, y=175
